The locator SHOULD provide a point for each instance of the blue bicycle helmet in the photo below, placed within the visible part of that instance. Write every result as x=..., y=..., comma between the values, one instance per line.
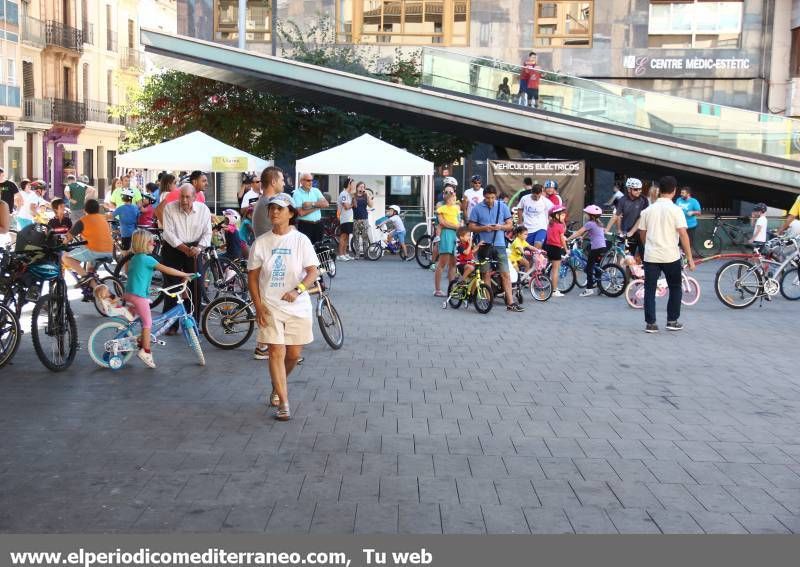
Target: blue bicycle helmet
x=551, y=184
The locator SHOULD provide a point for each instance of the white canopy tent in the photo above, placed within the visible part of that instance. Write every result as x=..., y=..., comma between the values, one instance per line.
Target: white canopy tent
x=193, y=151
x=367, y=155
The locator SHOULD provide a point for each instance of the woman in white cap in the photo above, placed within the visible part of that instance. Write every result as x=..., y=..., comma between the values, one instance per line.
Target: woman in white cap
x=281, y=269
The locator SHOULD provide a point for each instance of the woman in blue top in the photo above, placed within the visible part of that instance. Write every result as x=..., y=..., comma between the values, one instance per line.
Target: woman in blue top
x=137, y=288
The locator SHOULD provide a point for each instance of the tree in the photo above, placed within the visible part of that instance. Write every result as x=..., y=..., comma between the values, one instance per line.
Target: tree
x=173, y=103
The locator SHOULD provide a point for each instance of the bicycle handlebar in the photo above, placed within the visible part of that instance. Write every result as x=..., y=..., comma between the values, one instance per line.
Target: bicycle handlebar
x=179, y=288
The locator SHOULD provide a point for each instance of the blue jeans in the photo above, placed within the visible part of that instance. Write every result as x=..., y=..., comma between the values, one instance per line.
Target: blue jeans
x=672, y=272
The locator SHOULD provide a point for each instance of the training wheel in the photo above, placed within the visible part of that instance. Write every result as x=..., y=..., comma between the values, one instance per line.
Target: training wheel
x=115, y=362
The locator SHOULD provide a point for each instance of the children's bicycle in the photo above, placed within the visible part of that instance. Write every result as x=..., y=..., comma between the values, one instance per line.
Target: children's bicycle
x=377, y=249
x=536, y=278
x=112, y=344
x=634, y=291
x=472, y=290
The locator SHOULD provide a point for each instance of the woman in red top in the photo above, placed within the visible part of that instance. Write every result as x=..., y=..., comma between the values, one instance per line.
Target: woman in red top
x=556, y=244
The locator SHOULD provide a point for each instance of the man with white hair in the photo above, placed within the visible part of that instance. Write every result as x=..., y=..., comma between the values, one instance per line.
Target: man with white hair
x=75, y=192
x=308, y=200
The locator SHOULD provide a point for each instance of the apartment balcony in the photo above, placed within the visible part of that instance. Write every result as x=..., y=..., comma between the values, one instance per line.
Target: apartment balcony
x=111, y=40
x=99, y=111
x=131, y=59
x=88, y=32
x=32, y=31
x=65, y=37
x=69, y=111
x=38, y=110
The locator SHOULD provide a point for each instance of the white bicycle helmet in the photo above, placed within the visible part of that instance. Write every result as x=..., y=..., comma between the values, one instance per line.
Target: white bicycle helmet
x=395, y=208
x=127, y=192
x=232, y=215
x=450, y=181
x=633, y=183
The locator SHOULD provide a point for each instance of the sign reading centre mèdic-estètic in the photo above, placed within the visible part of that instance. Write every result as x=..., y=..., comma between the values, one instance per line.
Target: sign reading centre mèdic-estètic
x=644, y=65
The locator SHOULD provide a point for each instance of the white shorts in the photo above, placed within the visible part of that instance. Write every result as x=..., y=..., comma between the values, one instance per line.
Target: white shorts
x=283, y=329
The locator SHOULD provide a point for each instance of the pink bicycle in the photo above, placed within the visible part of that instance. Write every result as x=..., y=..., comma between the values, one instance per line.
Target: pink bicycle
x=634, y=292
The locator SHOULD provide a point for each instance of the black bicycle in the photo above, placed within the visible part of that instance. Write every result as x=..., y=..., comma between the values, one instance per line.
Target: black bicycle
x=53, y=329
x=738, y=235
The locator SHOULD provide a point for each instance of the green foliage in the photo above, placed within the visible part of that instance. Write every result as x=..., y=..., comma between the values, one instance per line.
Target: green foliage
x=173, y=103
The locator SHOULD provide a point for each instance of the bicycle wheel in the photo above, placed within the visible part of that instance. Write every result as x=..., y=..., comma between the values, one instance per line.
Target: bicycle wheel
x=374, y=252
x=156, y=297
x=483, y=299
x=566, y=278
x=612, y=280
x=9, y=335
x=712, y=245
x=790, y=284
x=634, y=294
x=691, y=291
x=193, y=340
x=54, y=332
x=330, y=324
x=423, y=252
x=737, y=284
x=99, y=339
x=419, y=230
x=221, y=277
x=454, y=295
x=408, y=252
x=227, y=322
x=114, y=286
x=541, y=287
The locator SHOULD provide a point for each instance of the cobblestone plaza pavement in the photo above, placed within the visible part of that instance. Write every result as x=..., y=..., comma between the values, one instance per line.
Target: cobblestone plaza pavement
x=564, y=418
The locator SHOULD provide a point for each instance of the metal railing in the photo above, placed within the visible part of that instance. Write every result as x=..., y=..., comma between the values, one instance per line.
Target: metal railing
x=131, y=58
x=111, y=40
x=37, y=110
x=59, y=35
x=99, y=111
x=88, y=32
x=69, y=111
x=32, y=31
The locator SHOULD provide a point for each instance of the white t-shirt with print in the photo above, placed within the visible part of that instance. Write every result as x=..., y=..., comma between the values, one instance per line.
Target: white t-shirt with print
x=535, y=211
x=247, y=196
x=662, y=220
x=473, y=197
x=345, y=215
x=29, y=198
x=283, y=260
x=760, y=229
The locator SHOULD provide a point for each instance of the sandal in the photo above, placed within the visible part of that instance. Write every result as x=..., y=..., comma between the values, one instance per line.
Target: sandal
x=274, y=399
x=283, y=413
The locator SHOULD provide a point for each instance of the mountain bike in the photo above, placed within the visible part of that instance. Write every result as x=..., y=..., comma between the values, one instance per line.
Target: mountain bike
x=228, y=322
x=54, y=332
x=112, y=344
x=738, y=234
x=10, y=334
x=634, y=291
x=471, y=290
x=220, y=276
x=739, y=283
x=617, y=250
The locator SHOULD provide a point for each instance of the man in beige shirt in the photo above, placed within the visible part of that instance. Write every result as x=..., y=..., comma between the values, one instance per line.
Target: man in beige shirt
x=661, y=226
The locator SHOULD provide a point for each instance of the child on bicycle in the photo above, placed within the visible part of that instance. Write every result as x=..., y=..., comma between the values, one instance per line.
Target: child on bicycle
x=397, y=230
x=518, y=248
x=597, y=240
x=465, y=253
x=128, y=215
x=555, y=244
x=137, y=288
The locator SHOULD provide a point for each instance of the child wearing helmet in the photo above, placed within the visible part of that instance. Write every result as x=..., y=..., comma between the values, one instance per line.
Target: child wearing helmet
x=397, y=229
x=555, y=244
x=759, y=221
x=597, y=239
x=147, y=211
x=235, y=248
x=551, y=192
x=128, y=216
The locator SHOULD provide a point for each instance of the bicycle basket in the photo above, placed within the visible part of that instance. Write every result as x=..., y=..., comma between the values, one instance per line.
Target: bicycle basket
x=325, y=257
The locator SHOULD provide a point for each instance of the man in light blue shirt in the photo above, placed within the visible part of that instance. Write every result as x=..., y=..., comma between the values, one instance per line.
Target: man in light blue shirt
x=309, y=201
x=490, y=220
x=691, y=210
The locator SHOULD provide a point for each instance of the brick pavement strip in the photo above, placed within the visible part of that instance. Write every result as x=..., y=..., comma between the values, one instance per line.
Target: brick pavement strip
x=417, y=427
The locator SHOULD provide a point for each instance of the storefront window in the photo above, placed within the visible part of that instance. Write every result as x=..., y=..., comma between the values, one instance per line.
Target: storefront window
x=226, y=20
x=403, y=22
x=563, y=24
x=695, y=24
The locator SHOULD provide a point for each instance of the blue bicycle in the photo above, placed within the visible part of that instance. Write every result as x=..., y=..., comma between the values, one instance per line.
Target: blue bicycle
x=112, y=343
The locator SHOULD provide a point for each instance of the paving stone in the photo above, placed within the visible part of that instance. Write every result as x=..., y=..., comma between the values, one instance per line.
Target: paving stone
x=438, y=490
x=590, y=520
x=675, y=522
x=633, y=521
x=516, y=491
x=718, y=523
x=674, y=497
x=476, y=491
x=360, y=488
x=555, y=494
x=247, y=518
x=547, y=521
x=377, y=519
x=333, y=518
x=291, y=517
x=504, y=520
x=761, y=524
x=462, y=519
x=398, y=489
x=421, y=518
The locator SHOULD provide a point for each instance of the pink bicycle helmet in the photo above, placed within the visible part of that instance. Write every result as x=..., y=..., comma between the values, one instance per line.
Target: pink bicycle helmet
x=593, y=210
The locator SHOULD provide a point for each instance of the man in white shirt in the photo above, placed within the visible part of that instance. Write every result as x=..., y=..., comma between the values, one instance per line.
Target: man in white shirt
x=251, y=191
x=535, y=209
x=661, y=226
x=472, y=196
x=187, y=232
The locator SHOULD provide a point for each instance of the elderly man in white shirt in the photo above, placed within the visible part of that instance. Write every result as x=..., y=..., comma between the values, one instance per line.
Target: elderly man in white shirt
x=187, y=232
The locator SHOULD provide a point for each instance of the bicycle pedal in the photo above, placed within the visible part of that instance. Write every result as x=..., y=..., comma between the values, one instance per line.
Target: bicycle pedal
x=160, y=342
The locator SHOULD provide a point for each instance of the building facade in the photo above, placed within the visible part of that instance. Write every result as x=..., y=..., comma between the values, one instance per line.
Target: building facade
x=716, y=52
x=77, y=61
